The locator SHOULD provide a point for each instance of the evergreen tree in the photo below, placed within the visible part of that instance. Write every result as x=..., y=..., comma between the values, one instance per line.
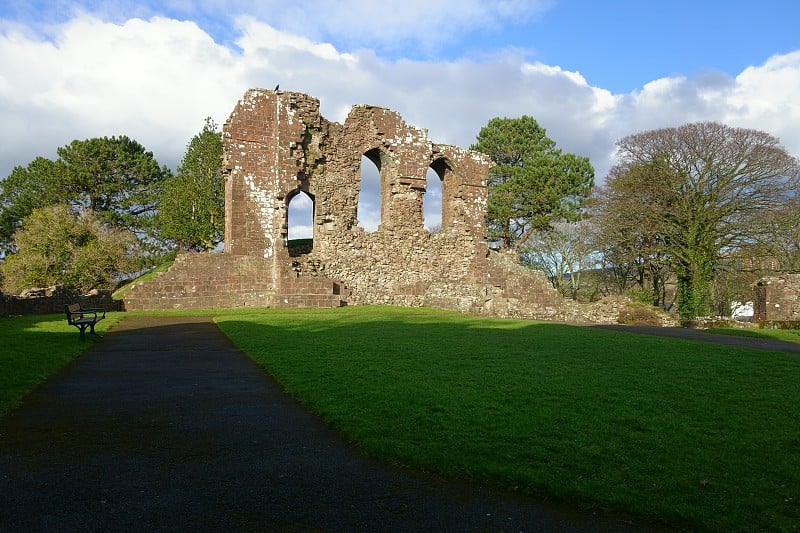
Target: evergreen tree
x=115, y=178
x=192, y=209
x=533, y=183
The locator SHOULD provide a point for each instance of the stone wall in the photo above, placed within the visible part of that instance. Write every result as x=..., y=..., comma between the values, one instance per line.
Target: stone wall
x=777, y=298
x=276, y=146
x=206, y=281
x=52, y=300
x=224, y=281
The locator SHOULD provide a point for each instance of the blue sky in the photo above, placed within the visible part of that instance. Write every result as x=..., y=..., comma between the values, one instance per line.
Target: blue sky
x=590, y=72
x=619, y=44
x=622, y=44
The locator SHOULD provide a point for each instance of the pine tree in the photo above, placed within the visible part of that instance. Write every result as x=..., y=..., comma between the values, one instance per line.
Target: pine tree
x=192, y=208
x=533, y=183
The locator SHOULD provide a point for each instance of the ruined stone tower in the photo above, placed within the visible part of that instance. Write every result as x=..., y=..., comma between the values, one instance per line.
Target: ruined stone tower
x=277, y=145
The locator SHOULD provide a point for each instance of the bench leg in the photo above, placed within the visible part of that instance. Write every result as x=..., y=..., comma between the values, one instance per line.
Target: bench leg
x=82, y=327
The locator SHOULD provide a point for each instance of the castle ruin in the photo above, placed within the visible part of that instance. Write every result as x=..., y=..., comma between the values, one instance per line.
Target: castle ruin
x=277, y=146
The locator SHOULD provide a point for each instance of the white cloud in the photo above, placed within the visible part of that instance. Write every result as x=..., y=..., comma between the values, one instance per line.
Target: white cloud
x=763, y=97
x=156, y=80
x=152, y=80
x=768, y=97
x=258, y=36
x=387, y=24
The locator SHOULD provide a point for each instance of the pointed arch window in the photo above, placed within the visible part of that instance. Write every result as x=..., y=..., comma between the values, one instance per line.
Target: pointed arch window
x=370, y=209
x=300, y=223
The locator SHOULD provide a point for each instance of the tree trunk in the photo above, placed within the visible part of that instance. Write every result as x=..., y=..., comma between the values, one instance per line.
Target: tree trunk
x=694, y=286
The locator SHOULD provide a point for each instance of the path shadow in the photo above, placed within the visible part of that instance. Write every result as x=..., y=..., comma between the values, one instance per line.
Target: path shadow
x=165, y=425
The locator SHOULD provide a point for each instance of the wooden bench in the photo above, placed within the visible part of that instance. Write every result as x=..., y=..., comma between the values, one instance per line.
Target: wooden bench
x=84, y=318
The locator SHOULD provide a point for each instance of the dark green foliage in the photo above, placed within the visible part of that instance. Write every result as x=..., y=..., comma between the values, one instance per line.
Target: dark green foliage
x=116, y=178
x=533, y=182
x=25, y=189
x=192, y=211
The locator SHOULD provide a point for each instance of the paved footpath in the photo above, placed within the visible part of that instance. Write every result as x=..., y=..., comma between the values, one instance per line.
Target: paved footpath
x=756, y=343
x=165, y=425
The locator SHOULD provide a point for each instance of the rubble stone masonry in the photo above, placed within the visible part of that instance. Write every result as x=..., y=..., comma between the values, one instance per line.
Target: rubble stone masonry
x=777, y=298
x=52, y=300
x=276, y=146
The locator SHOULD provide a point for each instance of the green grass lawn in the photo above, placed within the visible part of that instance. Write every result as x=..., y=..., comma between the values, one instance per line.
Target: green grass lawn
x=687, y=434
x=791, y=335
x=34, y=347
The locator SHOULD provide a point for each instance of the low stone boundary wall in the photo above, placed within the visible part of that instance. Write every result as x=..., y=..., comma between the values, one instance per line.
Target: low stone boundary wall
x=52, y=300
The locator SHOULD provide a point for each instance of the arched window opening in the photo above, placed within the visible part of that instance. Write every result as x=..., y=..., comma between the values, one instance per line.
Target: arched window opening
x=369, y=195
x=432, y=201
x=439, y=185
x=300, y=223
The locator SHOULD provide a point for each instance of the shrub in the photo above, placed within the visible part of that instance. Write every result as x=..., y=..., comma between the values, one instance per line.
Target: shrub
x=642, y=296
x=57, y=246
x=641, y=315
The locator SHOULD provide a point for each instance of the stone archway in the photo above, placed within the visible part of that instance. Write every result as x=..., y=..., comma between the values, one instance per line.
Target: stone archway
x=369, y=212
x=442, y=169
x=299, y=223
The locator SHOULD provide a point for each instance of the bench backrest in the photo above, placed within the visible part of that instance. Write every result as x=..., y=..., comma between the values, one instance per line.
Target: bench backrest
x=72, y=309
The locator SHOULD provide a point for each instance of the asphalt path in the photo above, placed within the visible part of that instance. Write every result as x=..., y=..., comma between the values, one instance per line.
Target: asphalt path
x=755, y=343
x=164, y=425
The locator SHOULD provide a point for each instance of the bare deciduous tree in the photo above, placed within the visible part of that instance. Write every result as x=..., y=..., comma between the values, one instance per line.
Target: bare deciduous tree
x=565, y=253
x=694, y=192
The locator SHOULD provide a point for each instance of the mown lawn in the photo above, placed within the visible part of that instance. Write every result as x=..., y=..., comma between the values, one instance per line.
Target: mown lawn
x=32, y=348
x=686, y=434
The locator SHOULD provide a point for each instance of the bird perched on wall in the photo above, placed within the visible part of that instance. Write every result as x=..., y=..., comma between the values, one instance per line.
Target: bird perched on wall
x=277, y=87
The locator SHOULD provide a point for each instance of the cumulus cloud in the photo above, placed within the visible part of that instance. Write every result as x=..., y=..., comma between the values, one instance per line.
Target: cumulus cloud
x=388, y=25
x=766, y=97
x=153, y=80
x=762, y=97
x=156, y=80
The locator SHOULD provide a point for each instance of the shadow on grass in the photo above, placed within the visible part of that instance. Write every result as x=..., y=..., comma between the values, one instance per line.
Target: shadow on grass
x=34, y=348
x=663, y=428
x=166, y=404
x=660, y=428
